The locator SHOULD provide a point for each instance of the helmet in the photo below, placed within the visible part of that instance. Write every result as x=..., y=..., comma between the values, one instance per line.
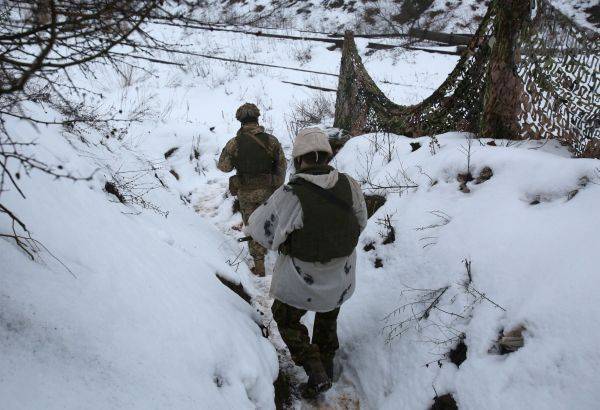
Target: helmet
x=247, y=111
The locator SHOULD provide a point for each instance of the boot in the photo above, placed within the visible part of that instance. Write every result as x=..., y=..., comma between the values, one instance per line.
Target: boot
x=318, y=381
x=259, y=267
x=328, y=365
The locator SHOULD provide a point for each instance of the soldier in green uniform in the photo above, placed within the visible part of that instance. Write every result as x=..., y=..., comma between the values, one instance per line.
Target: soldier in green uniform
x=260, y=167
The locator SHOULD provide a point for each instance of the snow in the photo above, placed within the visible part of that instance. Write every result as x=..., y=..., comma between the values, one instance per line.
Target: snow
x=536, y=261
x=337, y=16
x=143, y=323
x=136, y=317
x=579, y=11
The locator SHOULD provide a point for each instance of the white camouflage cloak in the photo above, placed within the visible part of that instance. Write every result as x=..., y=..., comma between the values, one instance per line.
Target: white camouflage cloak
x=314, y=286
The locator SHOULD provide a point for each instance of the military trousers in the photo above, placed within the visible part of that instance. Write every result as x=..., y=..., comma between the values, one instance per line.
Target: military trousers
x=295, y=335
x=250, y=200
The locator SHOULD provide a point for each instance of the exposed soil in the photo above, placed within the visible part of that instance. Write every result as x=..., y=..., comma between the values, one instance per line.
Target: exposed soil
x=458, y=354
x=171, y=152
x=369, y=247
x=237, y=288
x=445, y=402
x=594, y=15
x=484, y=175
x=415, y=146
x=390, y=237
x=463, y=179
x=111, y=188
x=411, y=10
x=374, y=202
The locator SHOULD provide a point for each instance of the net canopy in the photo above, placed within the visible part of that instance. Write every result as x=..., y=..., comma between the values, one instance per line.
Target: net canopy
x=529, y=72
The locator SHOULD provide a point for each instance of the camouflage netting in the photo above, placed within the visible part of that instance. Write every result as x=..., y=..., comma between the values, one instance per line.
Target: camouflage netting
x=528, y=72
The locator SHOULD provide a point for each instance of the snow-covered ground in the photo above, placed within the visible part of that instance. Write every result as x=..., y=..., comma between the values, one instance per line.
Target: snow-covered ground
x=537, y=261
x=133, y=315
x=378, y=16
x=373, y=16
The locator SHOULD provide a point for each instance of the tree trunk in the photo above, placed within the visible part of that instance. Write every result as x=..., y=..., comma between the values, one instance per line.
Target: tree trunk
x=504, y=89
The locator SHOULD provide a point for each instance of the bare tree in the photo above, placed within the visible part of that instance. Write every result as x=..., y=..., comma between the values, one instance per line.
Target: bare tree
x=41, y=43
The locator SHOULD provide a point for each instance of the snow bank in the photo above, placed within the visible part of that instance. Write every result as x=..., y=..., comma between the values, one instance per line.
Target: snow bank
x=531, y=233
x=145, y=323
x=135, y=318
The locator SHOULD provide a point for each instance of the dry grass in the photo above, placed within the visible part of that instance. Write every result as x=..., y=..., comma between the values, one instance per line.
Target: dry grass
x=310, y=112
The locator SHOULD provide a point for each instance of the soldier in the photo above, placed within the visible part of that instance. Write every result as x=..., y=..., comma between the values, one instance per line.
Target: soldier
x=260, y=164
x=314, y=222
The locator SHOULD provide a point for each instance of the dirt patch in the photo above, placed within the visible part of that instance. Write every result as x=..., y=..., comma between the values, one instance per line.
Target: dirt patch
x=508, y=341
x=572, y=194
x=458, y=354
x=389, y=236
x=374, y=202
x=369, y=246
x=370, y=13
x=512, y=340
x=463, y=179
x=350, y=6
x=485, y=175
x=171, y=152
x=411, y=10
x=335, y=4
x=237, y=288
x=594, y=15
x=415, y=146
x=378, y=263
x=445, y=402
x=111, y=188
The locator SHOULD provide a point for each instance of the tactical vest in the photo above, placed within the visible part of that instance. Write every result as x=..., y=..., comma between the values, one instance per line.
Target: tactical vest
x=330, y=227
x=252, y=158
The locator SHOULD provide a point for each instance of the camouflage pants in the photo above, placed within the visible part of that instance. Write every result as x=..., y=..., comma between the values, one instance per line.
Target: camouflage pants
x=295, y=334
x=249, y=201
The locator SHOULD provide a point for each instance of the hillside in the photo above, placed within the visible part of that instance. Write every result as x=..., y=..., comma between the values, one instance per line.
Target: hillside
x=373, y=16
x=124, y=305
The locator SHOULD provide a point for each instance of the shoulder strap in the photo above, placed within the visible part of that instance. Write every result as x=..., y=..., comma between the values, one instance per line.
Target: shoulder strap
x=259, y=142
x=323, y=193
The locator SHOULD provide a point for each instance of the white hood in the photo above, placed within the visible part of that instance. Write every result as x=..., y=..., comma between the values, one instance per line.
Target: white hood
x=325, y=181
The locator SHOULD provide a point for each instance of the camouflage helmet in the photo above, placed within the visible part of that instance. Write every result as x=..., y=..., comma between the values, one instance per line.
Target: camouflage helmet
x=247, y=111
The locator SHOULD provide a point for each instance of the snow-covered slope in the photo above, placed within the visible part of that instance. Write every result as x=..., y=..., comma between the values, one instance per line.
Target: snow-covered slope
x=531, y=234
x=586, y=13
x=142, y=321
x=145, y=323
x=328, y=16
x=138, y=319
x=373, y=16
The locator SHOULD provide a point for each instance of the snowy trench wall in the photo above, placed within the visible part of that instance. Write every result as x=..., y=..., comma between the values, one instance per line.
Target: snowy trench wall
x=514, y=247
x=133, y=315
x=122, y=307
